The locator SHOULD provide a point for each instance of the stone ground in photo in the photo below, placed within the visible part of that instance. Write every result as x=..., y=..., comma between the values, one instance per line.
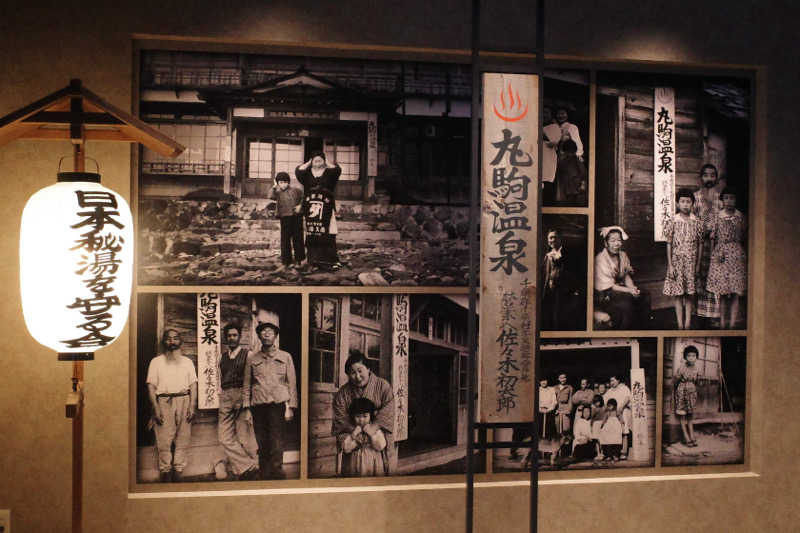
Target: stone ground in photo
x=716, y=444
x=189, y=242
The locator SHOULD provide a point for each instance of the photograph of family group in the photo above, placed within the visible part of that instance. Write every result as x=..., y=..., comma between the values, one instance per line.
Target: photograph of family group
x=704, y=400
x=695, y=275
x=597, y=405
x=304, y=171
x=218, y=387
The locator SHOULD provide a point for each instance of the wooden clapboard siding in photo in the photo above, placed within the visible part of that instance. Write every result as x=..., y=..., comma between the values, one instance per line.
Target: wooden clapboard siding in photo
x=634, y=197
x=322, y=445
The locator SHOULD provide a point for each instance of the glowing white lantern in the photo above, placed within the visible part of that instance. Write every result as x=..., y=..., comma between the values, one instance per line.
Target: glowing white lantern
x=76, y=265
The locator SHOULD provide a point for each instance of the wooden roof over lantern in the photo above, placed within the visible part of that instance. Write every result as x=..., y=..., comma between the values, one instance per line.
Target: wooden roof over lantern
x=76, y=114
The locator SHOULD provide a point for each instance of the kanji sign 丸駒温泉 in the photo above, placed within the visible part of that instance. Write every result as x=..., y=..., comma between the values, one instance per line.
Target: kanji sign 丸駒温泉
x=663, y=159
x=509, y=203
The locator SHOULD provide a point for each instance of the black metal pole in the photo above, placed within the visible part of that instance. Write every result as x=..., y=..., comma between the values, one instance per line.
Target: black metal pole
x=537, y=366
x=474, y=255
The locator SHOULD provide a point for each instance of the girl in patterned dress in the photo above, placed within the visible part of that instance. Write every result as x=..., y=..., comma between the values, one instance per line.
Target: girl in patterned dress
x=684, y=235
x=727, y=275
x=684, y=393
x=364, y=448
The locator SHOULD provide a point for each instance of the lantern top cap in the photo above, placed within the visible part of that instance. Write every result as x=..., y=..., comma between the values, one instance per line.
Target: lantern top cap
x=93, y=177
x=76, y=114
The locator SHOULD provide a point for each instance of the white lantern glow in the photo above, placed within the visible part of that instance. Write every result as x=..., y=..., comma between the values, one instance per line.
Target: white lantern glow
x=76, y=265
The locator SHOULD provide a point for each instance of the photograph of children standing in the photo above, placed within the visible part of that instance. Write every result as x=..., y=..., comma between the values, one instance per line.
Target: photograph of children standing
x=596, y=406
x=685, y=235
x=704, y=400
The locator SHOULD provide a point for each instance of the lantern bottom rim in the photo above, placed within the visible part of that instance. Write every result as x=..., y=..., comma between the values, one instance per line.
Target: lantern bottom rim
x=76, y=356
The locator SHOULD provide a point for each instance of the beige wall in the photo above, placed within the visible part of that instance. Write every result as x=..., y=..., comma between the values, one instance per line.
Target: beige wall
x=42, y=47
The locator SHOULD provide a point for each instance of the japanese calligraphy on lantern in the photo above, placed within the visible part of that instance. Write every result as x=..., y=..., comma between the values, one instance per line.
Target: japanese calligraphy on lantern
x=208, y=350
x=400, y=318
x=509, y=202
x=98, y=245
x=663, y=159
x=641, y=442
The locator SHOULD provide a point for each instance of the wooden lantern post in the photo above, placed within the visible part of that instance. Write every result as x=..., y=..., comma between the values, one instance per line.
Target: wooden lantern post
x=78, y=115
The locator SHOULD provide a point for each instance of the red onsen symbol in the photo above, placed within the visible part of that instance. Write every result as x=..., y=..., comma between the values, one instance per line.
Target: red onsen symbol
x=514, y=108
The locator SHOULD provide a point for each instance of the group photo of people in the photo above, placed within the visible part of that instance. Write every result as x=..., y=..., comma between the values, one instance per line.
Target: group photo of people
x=694, y=276
x=596, y=407
x=218, y=392
x=704, y=400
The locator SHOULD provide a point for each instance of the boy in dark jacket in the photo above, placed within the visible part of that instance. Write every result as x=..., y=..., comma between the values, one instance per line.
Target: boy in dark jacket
x=290, y=201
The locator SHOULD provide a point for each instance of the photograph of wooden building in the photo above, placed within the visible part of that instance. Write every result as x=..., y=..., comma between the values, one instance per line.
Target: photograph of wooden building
x=707, y=131
x=200, y=320
x=414, y=347
x=717, y=407
x=574, y=372
x=398, y=130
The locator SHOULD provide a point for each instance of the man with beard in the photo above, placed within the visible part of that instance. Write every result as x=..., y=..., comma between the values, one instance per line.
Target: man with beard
x=707, y=205
x=233, y=421
x=270, y=392
x=172, y=389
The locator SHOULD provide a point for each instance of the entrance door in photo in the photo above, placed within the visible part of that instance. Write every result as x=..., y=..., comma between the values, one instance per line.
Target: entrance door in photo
x=432, y=398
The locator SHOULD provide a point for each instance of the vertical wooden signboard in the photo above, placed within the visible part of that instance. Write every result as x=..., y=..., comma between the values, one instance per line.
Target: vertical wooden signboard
x=509, y=203
x=400, y=317
x=208, y=350
x=641, y=438
x=663, y=159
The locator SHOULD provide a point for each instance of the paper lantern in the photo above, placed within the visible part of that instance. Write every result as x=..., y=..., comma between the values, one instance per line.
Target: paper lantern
x=76, y=265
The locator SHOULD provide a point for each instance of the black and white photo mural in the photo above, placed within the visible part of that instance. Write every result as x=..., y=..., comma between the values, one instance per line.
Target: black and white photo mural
x=388, y=383
x=218, y=387
x=597, y=407
x=671, y=202
x=704, y=400
x=304, y=171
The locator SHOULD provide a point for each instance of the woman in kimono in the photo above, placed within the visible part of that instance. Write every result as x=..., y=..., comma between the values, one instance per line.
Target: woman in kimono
x=614, y=289
x=362, y=383
x=319, y=179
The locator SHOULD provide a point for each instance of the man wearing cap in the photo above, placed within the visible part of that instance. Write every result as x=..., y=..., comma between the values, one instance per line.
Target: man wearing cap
x=172, y=389
x=270, y=392
x=232, y=426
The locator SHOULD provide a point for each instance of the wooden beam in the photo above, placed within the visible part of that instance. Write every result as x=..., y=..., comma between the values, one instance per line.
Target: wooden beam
x=15, y=131
x=78, y=107
x=66, y=117
x=166, y=146
x=51, y=134
x=38, y=105
x=146, y=134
